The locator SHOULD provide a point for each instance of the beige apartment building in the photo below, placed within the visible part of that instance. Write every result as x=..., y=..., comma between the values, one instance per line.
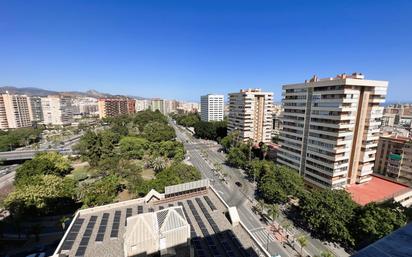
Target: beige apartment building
x=331, y=129
x=111, y=107
x=14, y=111
x=394, y=158
x=250, y=113
x=158, y=105
x=57, y=110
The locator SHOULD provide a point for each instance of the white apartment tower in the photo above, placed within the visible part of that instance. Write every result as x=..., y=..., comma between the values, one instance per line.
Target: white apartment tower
x=250, y=113
x=14, y=111
x=57, y=110
x=212, y=107
x=331, y=129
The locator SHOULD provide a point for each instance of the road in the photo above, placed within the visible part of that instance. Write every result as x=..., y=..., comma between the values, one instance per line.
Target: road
x=203, y=154
x=7, y=175
x=230, y=193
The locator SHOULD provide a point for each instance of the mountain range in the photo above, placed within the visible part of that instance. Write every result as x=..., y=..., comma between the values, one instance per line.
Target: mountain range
x=34, y=91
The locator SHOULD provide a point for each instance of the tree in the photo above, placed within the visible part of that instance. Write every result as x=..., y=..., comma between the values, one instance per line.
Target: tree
x=156, y=132
x=237, y=157
x=43, y=194
x=278, y=183
x=260, y=207
x=374, y=221
x=303, y=242
x=158, y=164
x=141, y=119
x=327, y=254
x=213, y=130
x=101, y=192
x=133, y=147
x=48, y=163
x=185, y=172
x=94, y=146
x=328, y=213
x=273, y=212
x=264, y=149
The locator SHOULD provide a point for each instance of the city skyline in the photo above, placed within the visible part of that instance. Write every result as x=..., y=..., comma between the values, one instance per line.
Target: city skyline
x=148, y=49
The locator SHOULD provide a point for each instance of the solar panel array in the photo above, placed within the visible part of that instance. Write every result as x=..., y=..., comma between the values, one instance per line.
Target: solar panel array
x=210, y=203
x=102, y=227
x=115, y=225
x=161, y=207
x=86, y=237
x=224, y=239
x=139, y=209
x=210, y=241
x=71, y=236
x=200, y=252
x=171, y=205
x=151, y=210
x=128, y=214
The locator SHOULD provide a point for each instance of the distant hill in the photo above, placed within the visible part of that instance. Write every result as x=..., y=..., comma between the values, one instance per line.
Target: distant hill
x=33, y=91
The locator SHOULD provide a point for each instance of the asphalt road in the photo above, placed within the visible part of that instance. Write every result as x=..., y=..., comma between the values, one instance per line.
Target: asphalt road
x=238, y=197
x=230, y=193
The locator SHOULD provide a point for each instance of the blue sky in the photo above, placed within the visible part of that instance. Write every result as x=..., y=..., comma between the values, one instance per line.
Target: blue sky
x=182, y=49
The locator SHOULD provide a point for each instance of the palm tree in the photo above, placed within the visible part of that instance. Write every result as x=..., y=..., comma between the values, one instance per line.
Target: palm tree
x=286, y=226
x=250, y=145
x=264, y=149
x=273, y=213
x=303, y=242
x=158, y=164
x=261, y=206
x=63, y=221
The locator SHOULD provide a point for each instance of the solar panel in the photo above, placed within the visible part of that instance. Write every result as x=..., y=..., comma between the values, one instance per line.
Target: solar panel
x=151, y=210
x=86, y=236
x=128, y=214
x=210, y=203
x=139, y=209
x=102, y=227
x=115, y=225
x=71, y=236
x=161, y=207
x=171, y=205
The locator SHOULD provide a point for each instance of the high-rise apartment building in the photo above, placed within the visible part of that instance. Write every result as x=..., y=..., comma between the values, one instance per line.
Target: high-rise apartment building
x=111, y=107
x=158, y=105
x=212, y=107
x=250, y=113
x=85, y=106
x=131, y=105
x=331, y=129
x=36, y=111
x=14, y=111
x=142, y=104
x=57, y=110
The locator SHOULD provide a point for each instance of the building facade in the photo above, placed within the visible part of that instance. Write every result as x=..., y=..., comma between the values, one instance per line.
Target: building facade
x=250, y=114
x=57, y=110
x=36, y=110
x=212, y=107
x=111, y=107
x=158, y=105
x=85, y=106
x=14, y=111
x=142, y=104
x=394, y=158
x=331, y=129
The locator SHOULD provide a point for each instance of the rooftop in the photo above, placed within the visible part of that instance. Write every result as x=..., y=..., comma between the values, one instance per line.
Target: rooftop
x=100, y=231
x=376, y=190
x=397, y=243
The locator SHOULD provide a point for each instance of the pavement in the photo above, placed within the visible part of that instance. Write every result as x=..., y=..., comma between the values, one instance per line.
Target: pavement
x=203, y=154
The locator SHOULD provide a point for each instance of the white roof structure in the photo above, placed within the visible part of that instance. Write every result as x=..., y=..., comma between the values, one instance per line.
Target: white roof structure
x=234, y=216
x=156, y=231
x=153, y=194
x=198, y=184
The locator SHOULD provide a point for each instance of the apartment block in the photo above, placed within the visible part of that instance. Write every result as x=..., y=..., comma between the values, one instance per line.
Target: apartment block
x=111, y=107
x=212, y=107
x=142, y=104
x=85, y=106
x=57, y=110
x=36, y=110
x=158, y=105
x=14, y=111
x=250, y=113
x=394, y=158
x=331, y=129
x=131, y=106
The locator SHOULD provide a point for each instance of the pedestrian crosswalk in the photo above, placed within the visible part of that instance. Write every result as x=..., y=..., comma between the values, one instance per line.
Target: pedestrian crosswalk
x=263, y=236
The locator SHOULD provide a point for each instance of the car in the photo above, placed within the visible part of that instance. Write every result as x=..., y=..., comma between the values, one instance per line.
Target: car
x=237, y=183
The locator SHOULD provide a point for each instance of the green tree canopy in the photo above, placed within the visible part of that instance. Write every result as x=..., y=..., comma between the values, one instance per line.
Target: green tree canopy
x=328, y=213
x=48, y=163
x=215, y=130
x=133, y=147
x=373, y=222
x=157, y=132
x=45, y=194
x=101, y=192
